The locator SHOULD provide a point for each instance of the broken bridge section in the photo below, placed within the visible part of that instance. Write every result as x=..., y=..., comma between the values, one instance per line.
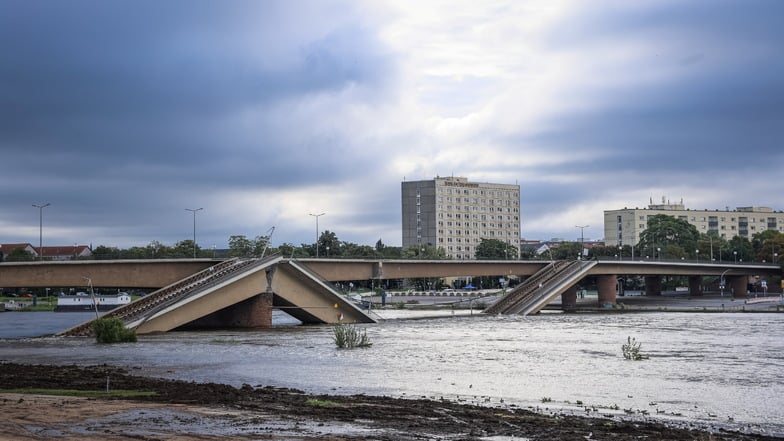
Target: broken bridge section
x=236, y=293
x=538, y=290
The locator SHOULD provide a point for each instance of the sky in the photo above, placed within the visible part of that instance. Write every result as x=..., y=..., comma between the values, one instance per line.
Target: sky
x=125, y=114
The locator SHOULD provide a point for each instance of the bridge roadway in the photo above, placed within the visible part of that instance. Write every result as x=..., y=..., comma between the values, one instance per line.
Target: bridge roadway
x=319, y=296
x=158, y=273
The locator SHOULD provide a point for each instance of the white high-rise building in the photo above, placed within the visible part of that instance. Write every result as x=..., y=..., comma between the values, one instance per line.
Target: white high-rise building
x=455, y=214
x=623, y=227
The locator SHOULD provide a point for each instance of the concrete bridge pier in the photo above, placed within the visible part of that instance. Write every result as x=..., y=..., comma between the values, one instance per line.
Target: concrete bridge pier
x=738, y=285
x=569, y=298
x=255, y=312
x=653, y=285
x=695, y=286
x=607, y=286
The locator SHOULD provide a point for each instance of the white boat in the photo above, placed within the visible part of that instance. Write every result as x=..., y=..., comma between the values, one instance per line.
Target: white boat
x=85, y=303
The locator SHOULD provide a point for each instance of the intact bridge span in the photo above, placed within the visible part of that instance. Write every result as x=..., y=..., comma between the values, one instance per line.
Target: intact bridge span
x=243, y=292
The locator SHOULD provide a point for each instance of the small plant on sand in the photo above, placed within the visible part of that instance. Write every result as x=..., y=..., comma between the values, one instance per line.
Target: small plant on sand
x=112, y=330
x=631, y=349
x=315, y=402
x=347, y=336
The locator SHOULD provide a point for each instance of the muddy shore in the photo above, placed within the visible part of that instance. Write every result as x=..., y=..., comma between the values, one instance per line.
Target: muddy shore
x=186, y=411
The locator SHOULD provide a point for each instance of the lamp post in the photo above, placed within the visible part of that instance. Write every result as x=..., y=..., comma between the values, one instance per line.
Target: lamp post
x=41, y=229
x=582, y=238
x=735, y=255
x=698, y=255
x=317, y=216
x=658, y=252
x=194, y=210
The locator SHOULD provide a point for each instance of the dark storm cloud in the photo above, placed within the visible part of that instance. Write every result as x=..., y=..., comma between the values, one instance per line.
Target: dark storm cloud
x=113, y=109
x=124, y=113
x=717, y=104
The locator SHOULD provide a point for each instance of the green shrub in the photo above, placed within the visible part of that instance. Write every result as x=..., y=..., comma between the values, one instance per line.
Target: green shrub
x=112, y=330
x=347, y=336
x=631, y=349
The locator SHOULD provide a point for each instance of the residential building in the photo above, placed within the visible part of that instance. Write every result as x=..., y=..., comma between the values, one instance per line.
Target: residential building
x=623, y=227
x=8, y=248
x=455, y=214
x=69, y=252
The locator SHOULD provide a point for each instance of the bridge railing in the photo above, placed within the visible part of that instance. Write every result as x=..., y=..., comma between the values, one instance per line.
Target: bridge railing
x=208, y=279
x=167, y=295
x=530, y=303
x=528, y=287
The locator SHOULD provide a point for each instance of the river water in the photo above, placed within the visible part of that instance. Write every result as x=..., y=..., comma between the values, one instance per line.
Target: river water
x=715, y=370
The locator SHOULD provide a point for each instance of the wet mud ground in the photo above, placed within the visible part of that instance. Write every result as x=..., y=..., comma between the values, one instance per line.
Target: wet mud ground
x=186, y=411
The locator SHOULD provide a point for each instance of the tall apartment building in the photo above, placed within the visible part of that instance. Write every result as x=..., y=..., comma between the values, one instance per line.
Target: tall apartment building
x=623, y=227
x=455, y=214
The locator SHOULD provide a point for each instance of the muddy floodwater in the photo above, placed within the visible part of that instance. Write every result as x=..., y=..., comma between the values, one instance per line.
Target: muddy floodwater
x=713, y=370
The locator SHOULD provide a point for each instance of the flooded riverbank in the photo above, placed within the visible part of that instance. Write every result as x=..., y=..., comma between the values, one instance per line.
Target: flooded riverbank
x=710, y=369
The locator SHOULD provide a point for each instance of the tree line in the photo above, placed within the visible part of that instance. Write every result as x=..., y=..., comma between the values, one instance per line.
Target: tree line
x=665, y=238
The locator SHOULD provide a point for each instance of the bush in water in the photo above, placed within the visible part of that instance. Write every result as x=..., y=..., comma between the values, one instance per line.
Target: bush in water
x=631, y=350
x=112, y=330
x=347, y=336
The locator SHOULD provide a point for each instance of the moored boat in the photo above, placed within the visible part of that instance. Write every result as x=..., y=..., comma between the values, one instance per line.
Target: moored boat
x=85, y=303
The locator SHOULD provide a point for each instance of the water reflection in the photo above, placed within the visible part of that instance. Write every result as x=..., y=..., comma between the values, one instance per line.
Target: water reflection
x=708, y=368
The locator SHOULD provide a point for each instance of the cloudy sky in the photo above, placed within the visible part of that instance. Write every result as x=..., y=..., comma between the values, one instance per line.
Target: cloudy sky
x=122, y=114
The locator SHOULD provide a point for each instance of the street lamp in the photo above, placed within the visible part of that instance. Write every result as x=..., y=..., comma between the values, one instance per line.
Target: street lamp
x=194, y=210
x=41, y=229
x=317, y=216
x=658, y=252
x=698, y=255
x=735, y=255
x=582, y=238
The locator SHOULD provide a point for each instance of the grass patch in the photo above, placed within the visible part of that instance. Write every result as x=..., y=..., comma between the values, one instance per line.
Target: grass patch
x=117, y=393
x=315, y=402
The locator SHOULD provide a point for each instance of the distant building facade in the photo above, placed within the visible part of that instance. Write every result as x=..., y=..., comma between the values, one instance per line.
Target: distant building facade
x=455, y=214
x=8, y=248
x=69, y=252
x=623, y=227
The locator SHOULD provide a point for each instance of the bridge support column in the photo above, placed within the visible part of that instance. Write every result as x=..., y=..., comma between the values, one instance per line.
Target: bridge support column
x=695, y=286
x=653, y=285
x=255, y=312
x=739, y=285
x=569, y=299
x=607, y=285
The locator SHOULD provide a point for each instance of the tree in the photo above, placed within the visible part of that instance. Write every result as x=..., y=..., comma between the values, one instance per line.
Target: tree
x=567, y=251
x=676, y=236
x=358, y=251
x=711, y=245
x=329, y=245
x=740, y=249
x=184, y=248
x=240, y=246
x=767, y=244
x=102, y=252
x=494, y=249
x=423, y=251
